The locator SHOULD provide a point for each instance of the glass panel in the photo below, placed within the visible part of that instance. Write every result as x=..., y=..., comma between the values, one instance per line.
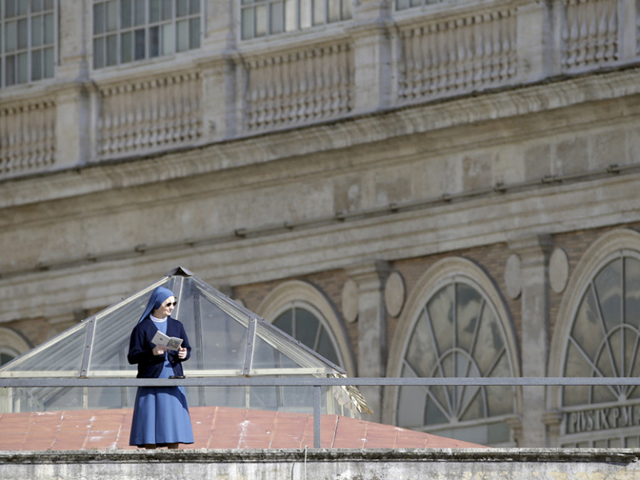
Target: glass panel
x=48, y=62
x=140, y=45
x=334, y=10
x=112, y=19
x=126, y=13
x=247, y=23
x=433, y=415
x=183, y=35
x=318, y=12
x=421, y=353
x=587, y=328
x=154, y=10
x=326, y=348
x=290, y=15
x=36, y=6
x=98, y=19
x=306, y=327
x=11, y=36
x=194, y=7
x=285, y=322
x=48, y=29
x=48, y=5
x=194, y=33
x=469, y=303
x=10, y=8
x=167, y=9
x=441, y=311
x=67, y=359
x=10, y=70
x=276, y=17
x=501, y=398
x=168, y=39
x=489, y=342
x=476, y=409
x=36, y=31
x=98, y=53
x=632, y=291
x=126, y=47
x=261, y=20
x=23, y=68
x=608, y=285
x=23, y=33
x=112, y=43
x=411, y=404
x=346, y=9
x=575, y=366
x=182, y=8
x=23, y=7
x=36, y=65
x=140, y=12
x=154, y=41
x=305, y=13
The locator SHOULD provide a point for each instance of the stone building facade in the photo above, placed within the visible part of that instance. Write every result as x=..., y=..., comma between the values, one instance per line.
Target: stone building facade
x=412, y=188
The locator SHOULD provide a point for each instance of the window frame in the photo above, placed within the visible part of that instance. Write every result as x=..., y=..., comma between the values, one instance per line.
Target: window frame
x=30, y=48
x=100, y=39
x=345, y=12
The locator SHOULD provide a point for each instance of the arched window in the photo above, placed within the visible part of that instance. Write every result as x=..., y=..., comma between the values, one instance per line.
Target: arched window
x=598, y=335
x=304, y=312
x=455, y=330
x=604, y=341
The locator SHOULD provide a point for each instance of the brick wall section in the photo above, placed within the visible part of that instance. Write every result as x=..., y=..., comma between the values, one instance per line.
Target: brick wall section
x=492, y=259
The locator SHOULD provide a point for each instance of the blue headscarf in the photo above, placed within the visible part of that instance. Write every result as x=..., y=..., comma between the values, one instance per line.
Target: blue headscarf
x=159, y=295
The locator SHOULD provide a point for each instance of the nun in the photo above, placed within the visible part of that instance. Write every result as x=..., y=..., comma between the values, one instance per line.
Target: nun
x=160, y=414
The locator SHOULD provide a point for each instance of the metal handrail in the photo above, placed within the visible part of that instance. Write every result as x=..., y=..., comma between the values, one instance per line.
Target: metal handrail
x=316, y=383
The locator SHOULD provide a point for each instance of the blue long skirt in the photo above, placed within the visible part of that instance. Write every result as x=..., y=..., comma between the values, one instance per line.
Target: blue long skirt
x=160, y=416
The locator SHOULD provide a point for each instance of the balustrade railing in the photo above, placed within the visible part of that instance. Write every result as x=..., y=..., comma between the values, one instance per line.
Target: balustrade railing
x=150, y=114
x=297, y=87
x=436, y=53
x=27, y=137
x=590, y=35
x=458, y=54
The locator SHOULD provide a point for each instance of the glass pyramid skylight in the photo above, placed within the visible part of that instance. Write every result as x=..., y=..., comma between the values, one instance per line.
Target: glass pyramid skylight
x=226, y=338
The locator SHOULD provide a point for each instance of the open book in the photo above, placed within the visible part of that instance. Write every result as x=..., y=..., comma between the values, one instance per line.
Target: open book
x=172, y=343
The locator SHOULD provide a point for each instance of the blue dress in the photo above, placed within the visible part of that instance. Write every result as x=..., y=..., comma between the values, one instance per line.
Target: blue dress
x=160, y=414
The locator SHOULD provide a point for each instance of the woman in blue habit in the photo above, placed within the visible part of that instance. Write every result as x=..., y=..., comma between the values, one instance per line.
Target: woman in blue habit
x=160, y=414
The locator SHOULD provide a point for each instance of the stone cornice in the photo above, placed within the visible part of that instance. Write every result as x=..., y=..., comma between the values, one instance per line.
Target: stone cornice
x=435, y=115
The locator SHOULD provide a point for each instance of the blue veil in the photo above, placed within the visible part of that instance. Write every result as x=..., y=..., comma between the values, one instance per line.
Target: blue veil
x=159, y=295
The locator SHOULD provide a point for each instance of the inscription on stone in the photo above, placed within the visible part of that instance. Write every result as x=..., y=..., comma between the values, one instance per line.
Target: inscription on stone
x=602, y=419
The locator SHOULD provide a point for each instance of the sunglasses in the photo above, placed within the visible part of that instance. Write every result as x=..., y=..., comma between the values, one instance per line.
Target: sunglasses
x=171, y=304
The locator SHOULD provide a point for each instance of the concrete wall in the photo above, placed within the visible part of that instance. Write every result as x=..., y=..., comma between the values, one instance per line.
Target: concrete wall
x=499, y=464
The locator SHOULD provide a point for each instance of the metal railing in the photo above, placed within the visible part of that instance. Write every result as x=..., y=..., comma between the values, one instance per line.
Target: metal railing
x=316, y=383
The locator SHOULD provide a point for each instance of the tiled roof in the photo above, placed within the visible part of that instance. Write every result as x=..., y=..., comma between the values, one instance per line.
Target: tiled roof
x=213, y=428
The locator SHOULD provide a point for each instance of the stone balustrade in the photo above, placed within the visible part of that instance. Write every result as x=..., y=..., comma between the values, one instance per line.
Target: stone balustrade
x=408, y=56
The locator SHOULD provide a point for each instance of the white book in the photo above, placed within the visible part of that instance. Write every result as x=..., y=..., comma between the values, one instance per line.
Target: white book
x=172, y=343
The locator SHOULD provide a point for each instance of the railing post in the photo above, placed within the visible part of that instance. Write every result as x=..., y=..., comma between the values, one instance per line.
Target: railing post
x=535, y=37
x=317, y=398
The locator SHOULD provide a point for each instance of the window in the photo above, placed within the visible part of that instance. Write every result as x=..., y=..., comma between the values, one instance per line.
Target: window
x=129, y=30
x=308, y=327
x=270, y=17
x=604, y=341
x=457, y=333
x=404, y=4
x=27, y=33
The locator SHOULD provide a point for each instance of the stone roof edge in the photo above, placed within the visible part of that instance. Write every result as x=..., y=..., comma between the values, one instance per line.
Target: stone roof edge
x=492, y=455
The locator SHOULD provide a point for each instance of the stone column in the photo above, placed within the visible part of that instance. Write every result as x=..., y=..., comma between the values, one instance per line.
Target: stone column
x=219, y=81
x=534, y=254
x=75, y=122
x=372, y=52
x=535, y=41
x=372, y=328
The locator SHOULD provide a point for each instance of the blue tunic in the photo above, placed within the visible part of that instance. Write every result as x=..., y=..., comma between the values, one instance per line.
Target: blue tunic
x=160, y=414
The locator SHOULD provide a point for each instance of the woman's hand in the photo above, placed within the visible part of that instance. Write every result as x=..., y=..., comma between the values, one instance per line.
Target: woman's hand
x=182, y=353
x=159, y=350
